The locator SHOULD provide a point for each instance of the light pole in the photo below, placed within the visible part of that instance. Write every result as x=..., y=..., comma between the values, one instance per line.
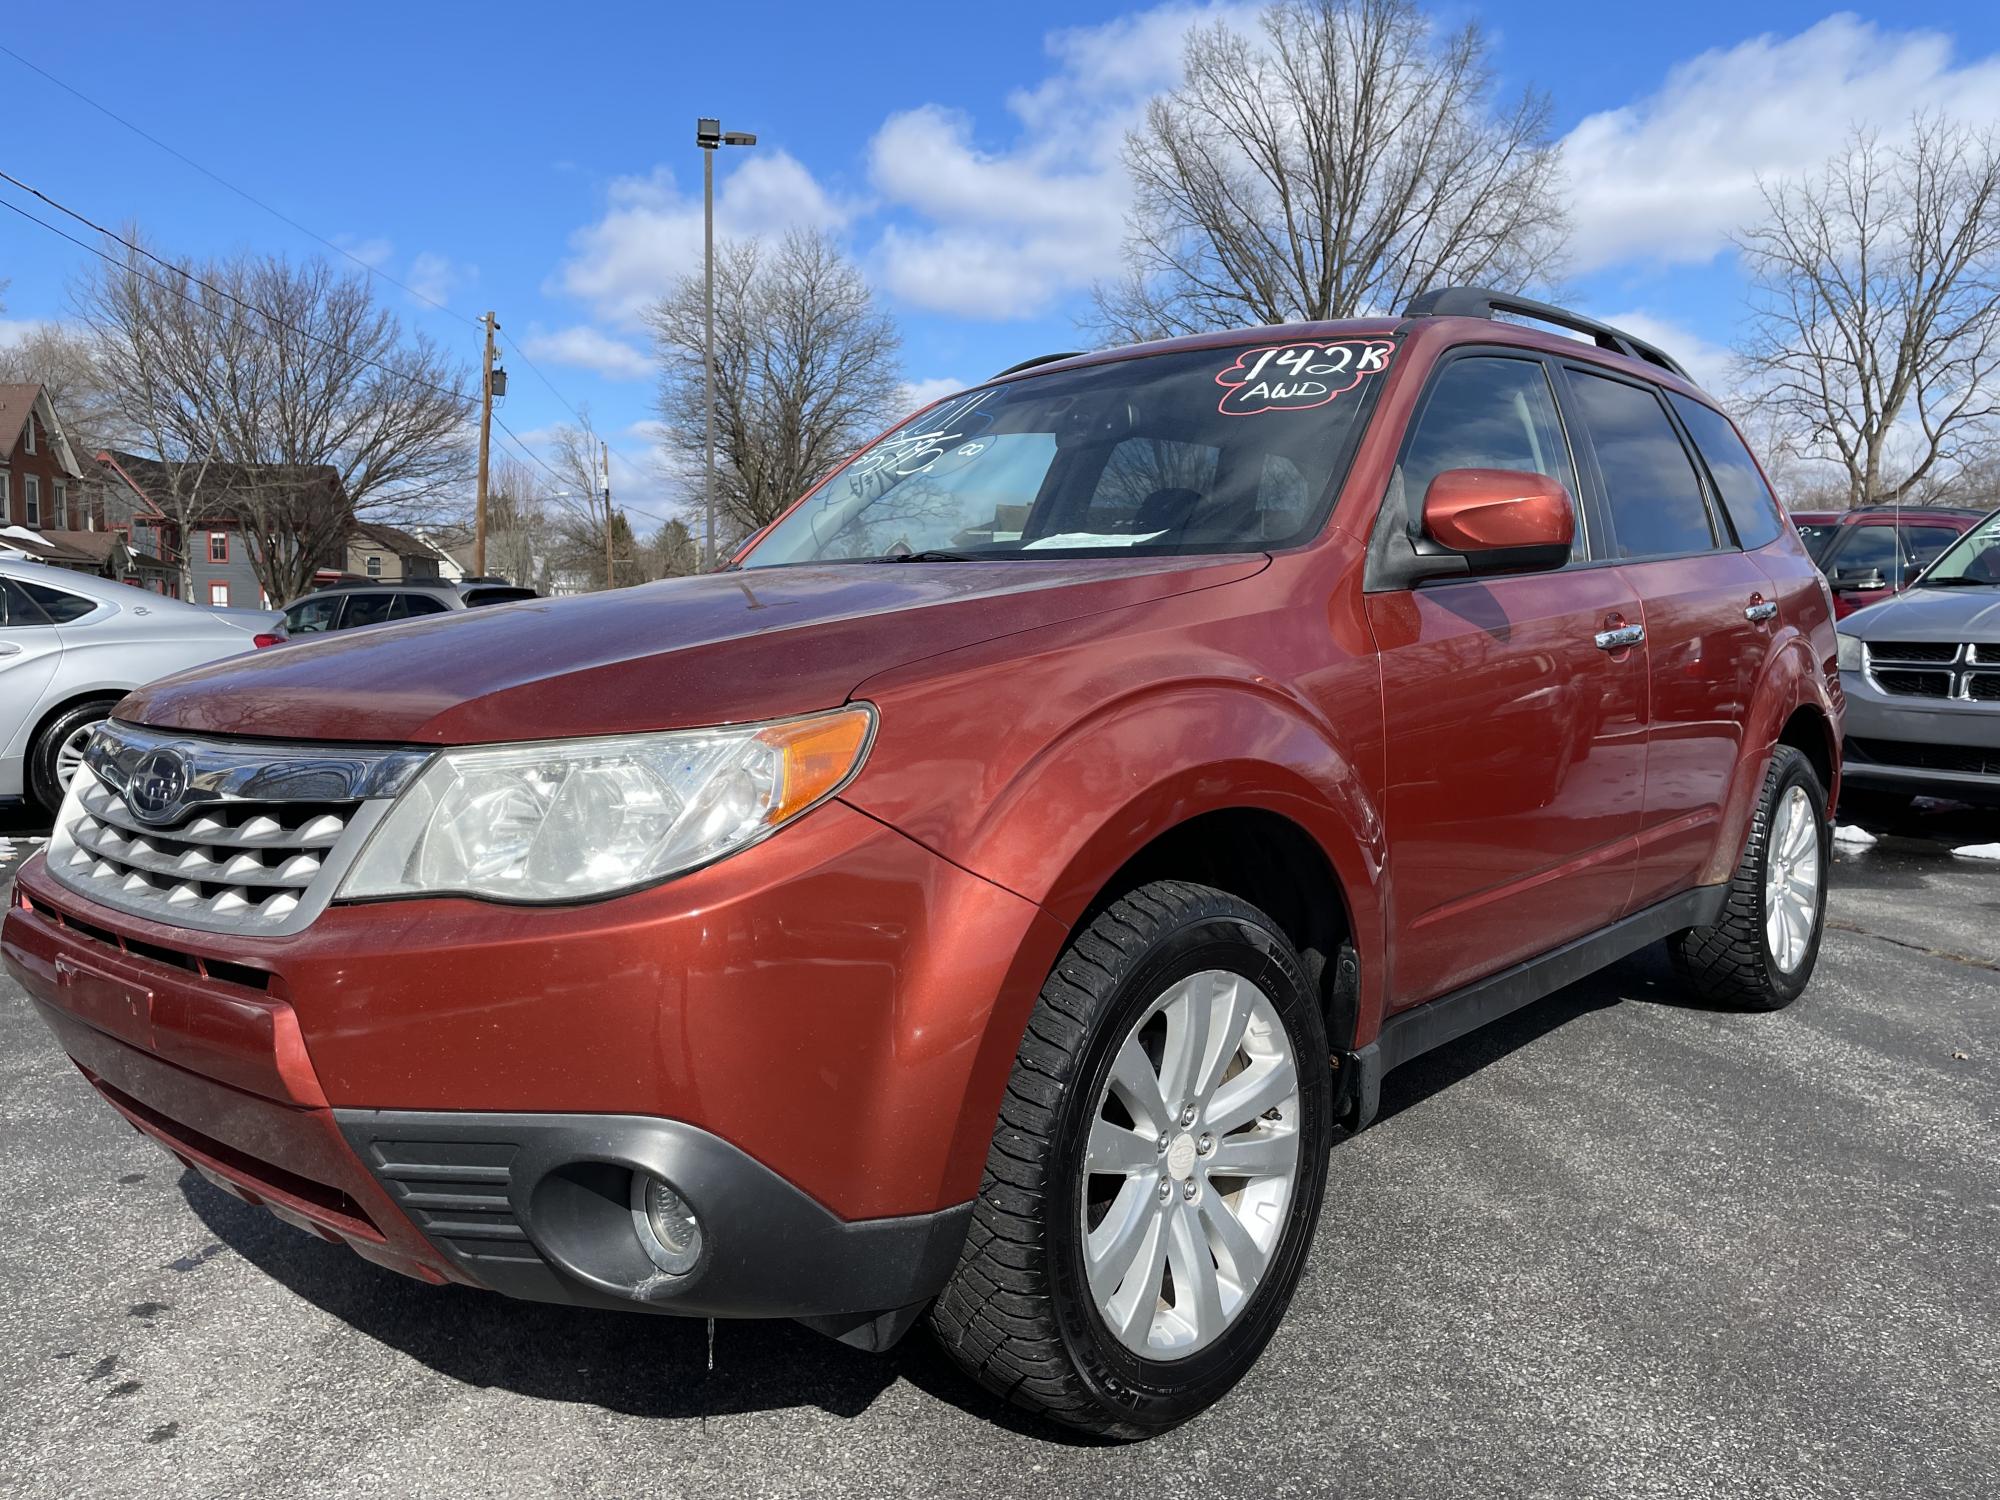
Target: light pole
x=709, y=135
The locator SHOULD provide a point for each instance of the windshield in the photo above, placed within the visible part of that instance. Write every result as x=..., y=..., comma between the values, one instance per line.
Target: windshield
x=1973, y=559
x=1211, y=450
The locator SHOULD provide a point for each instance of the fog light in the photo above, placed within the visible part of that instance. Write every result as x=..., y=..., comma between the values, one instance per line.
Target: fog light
x=666, y=1224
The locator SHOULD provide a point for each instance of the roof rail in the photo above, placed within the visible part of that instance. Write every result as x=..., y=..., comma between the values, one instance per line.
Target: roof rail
x=1039, y=359
x=1478, y=302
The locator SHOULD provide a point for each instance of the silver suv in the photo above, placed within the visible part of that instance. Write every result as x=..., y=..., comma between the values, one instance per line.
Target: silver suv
x=343, y=606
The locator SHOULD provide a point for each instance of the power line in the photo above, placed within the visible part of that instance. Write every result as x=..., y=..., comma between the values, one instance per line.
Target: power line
x=208, y=286
x=243, y=193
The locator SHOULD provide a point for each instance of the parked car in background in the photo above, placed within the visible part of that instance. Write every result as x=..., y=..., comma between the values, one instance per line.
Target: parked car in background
x=984, y=900
x=1874, y=553
x=1922, y=676
x=1815, y=526
x=73, y=644
x=346, y=605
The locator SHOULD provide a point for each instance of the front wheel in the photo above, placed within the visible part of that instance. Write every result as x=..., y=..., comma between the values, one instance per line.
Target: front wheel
x=58, y=753
x=1761, y=951
x=1156, y=1176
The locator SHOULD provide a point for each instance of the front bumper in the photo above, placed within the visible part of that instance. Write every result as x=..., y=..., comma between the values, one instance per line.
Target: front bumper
x=807, y=1036
x=1926, y=747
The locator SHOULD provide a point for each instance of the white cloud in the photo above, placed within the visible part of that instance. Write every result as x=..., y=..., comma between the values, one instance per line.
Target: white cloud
x=916, y=394
x=1667, y=179
x=1001, y=233
x=371, y=251
x=589, y=348
x=1709, y=365
x=15, y=331
x=650, y=235
x=434, y=277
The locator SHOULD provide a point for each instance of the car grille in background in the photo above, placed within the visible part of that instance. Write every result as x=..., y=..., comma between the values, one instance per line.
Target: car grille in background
x=1966, y=759
x=1935, y=669
x=248, y=861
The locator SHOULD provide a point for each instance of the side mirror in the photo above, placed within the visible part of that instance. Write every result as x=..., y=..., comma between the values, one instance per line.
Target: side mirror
x=1500, y=520
x=1857, y=580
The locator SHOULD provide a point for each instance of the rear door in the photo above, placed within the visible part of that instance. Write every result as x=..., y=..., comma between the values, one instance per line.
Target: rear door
x=1515, y=744
x=30, y=648
x=1705, y=605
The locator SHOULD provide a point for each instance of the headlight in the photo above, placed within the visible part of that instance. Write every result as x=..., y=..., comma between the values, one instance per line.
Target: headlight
x=565, y=820
x=1850, y=652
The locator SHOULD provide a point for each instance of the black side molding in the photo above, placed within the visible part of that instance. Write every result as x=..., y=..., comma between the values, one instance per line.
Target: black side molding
x=1413, y=1032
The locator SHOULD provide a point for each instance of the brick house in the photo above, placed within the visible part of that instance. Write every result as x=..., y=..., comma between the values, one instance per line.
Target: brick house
x=40, y=479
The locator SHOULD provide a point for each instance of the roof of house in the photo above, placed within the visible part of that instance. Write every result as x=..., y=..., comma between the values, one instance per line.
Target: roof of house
x=394, y=538
x=45, y=547
x=154, y=478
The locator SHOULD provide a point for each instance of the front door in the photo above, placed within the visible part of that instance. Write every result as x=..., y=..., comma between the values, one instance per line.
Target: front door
x=1515, y=744
x=29, y=651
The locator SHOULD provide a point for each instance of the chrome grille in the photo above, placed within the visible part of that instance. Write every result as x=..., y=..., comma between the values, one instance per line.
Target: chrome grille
x=1935, y=669
x=254, y=840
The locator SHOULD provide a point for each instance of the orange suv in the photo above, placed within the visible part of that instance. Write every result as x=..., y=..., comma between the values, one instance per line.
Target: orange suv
x=982, y=900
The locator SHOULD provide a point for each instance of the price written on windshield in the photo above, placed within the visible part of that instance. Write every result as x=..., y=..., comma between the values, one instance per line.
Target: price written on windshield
x=1297, y=377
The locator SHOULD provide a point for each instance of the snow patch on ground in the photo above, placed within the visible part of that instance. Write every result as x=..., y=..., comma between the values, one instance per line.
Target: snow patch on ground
x=1978, y=851
x=1857, y=838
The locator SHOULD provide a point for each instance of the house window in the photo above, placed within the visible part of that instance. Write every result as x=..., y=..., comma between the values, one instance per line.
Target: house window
x=6, y=500
x=34, y=499
x=218, y=595
x=62, y=506
x=374, y=565
x=218, y=546
x=29, y=429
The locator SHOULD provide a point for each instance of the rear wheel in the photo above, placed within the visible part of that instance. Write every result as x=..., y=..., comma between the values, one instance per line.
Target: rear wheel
x=58, y=751
x=1156, y=1176
x=1761, y=952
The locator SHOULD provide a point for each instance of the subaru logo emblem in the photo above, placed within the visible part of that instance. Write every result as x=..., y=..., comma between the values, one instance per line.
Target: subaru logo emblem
x=157, y=785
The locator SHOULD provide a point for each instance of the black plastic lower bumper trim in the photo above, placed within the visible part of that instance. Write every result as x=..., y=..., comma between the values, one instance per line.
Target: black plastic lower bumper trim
x=538, y=1206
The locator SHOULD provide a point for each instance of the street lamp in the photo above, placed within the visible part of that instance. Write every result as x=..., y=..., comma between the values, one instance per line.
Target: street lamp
x=709, y=135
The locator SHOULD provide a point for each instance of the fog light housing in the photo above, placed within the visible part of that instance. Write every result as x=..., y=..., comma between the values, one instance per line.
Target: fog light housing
x=666, y=1225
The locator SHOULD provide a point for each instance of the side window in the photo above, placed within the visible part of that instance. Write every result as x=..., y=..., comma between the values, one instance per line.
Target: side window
x=59, y=605
x=1657, y=509
x=367, y=609
x=16, y=608
x=1925, y=544
x=1149, y=485
x=407, y=605
x=1753, y=509
x=312, y=616
x=1487, y=412
x=1865, y=549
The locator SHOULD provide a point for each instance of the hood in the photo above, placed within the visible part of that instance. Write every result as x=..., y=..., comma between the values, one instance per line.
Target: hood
x=722, y=648
x=1920, y=614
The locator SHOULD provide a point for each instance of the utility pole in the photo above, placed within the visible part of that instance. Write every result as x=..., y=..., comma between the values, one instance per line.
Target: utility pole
x=610, y=577
x=485, y=444
x=709, y=135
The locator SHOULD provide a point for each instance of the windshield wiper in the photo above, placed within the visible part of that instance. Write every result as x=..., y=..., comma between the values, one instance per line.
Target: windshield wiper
x=930, y=554
x=1961, y=582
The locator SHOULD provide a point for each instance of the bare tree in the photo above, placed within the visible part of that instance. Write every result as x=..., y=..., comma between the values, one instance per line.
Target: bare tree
x=1341, y=161
x=805, y=368
x=1876, y=330
x=281, y=393
x=675, y=552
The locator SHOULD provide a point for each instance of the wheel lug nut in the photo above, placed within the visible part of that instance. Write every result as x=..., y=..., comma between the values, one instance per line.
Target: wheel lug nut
x=1166, y=1190
x=1206, y=1144
x=1188, y=1190
x=1163, y=1144
x=1187, y=1115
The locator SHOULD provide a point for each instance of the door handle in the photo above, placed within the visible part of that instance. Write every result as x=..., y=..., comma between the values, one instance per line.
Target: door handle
x=1620, y=638
x=1761, y=609
x=9, y=648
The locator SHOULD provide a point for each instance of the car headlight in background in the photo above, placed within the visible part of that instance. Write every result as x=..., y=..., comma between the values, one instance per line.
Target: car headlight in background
x=567, y=820
x=1850, y=652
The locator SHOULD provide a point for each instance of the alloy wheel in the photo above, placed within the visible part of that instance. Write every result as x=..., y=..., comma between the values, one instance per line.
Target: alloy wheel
x=69, y=755
x=1791, y=880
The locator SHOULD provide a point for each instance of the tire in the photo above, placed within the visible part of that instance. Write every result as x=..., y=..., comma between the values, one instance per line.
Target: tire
x=1745, y=961
x=1020, y=1314
x=43, y=779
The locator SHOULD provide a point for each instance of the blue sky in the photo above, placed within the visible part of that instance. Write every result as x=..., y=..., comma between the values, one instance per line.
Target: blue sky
x=540, y=160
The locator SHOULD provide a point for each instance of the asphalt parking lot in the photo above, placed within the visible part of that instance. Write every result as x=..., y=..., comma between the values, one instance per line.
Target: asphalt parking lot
x=1614, y=1246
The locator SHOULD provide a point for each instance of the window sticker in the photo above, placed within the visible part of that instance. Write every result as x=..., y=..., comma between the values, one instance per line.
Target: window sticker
x=1297, y=377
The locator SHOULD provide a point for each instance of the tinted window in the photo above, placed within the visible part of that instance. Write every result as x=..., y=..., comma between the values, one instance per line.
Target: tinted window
x=1925, y=544
x=59, y=605
x=475, y=597
x=1655, y=499
x=1752, y=508
x=311, y=616
x=366, y=609
x=1149, y=486
x=415, y=604
x=1487, y=414
x=1864, y=549
x=16, y=608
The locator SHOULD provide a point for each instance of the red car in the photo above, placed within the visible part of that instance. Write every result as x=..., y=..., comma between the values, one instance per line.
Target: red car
x=1876, y=552
x=983, y=899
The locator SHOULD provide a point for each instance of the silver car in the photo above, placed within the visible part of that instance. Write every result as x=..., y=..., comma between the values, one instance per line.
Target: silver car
x=1922, y=677
x=72, y=645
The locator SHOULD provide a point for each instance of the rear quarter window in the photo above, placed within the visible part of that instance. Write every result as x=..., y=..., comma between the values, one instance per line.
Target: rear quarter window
x=1748, y=501
x=59, y=605
x=475, y=597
